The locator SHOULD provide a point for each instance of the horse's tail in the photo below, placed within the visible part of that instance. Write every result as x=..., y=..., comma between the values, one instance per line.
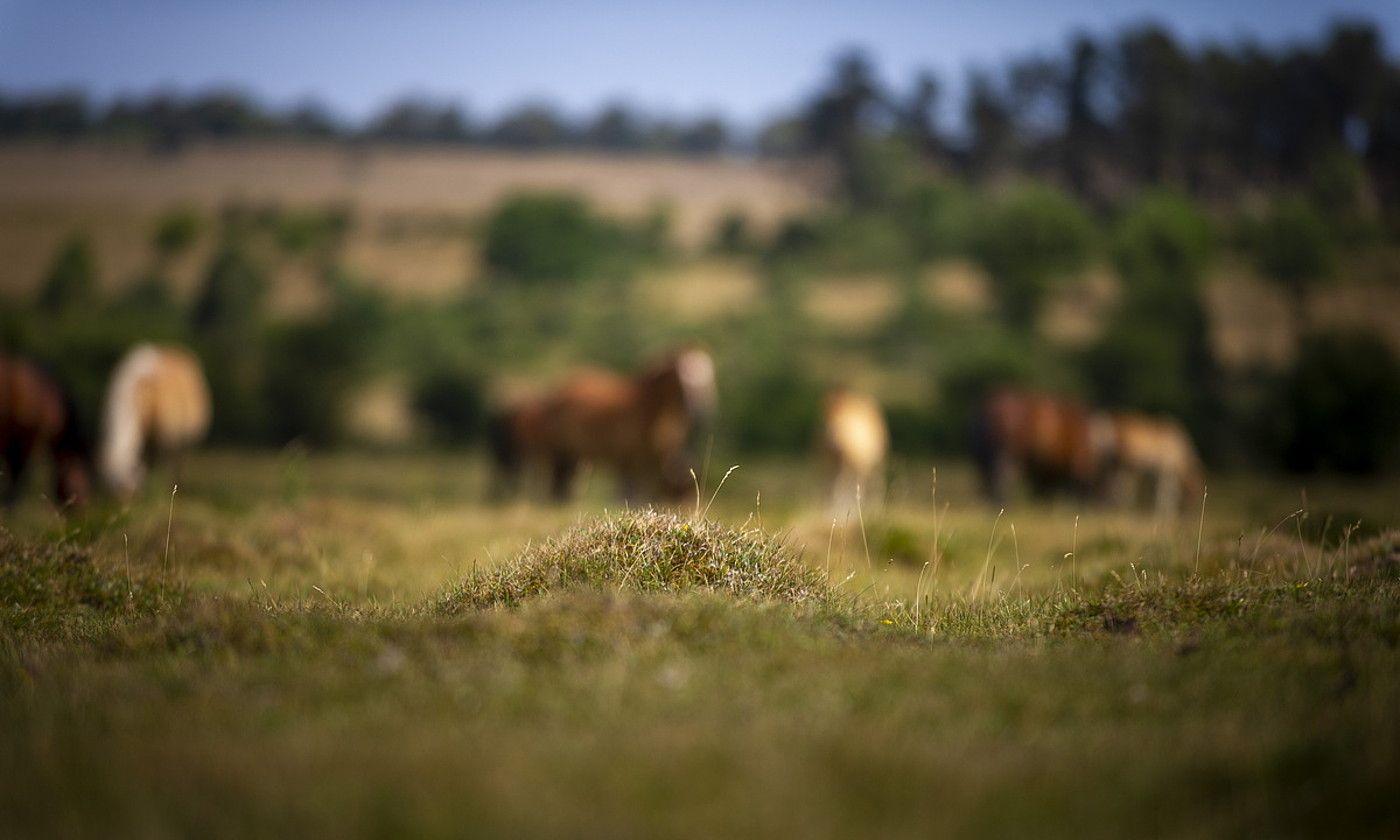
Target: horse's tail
x=123, y=429
x=505, y=447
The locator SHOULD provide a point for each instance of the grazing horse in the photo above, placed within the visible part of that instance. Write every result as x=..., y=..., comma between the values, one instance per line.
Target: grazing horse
x=1053, y=443
x=854, y=441
x=638, y=425
x=1155, y=450
x=157, y=400
x=37, y=415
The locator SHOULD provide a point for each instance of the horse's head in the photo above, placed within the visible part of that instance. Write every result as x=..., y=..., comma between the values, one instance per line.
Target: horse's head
x=72, y=480
x=696, y=371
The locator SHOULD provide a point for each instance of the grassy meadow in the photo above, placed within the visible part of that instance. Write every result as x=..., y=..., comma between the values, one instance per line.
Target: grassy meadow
x=339, y=635
x=356, y=644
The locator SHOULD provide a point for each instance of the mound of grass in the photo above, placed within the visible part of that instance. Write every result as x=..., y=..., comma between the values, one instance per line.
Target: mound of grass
x=45, y=585
x=649, y=552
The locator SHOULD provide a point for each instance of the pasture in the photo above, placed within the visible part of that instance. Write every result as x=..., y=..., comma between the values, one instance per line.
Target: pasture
x=352, y=644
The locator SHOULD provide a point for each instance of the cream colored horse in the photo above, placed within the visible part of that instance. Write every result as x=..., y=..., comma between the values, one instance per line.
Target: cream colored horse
x=1156, y=451
x=854, y=442
x=157, y=400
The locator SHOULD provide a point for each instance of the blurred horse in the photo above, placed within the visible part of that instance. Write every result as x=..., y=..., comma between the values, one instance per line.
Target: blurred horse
x=1050, y=442
x=37, y=415
x=639, y=426
x=157, y=403
x=854, y=441
x=1156, y=451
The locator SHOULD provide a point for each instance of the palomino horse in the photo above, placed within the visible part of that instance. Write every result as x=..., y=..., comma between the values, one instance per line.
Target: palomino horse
x=157, y=400
x=1054, y=443
x=639, y=426
x=36, y=415
x=1155, y=450
x=854, y=442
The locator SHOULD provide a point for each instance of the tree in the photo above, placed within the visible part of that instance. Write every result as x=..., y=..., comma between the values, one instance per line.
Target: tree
x=1025, y=239
x=993, y=128
x=71, y=281
x=175, y=232
x=1294, y=251
x=1339, y=408
x=543, y=237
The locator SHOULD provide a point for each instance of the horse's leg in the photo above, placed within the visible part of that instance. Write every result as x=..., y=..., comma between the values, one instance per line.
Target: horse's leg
x=1001, y=476
x=16, y=459
x=562, y=468
x=1168, y=492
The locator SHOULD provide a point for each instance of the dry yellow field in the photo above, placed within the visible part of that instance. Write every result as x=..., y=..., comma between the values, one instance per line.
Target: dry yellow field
x=114, y=194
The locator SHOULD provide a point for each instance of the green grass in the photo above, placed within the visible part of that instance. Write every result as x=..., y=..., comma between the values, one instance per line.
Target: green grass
x=589, y=673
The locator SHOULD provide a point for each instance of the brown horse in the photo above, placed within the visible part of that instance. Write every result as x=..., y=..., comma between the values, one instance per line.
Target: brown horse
x=1156, y=451
x=638, y=425
x=1053, y=443
x=854, y=442
x=36, y=415
x=157, y=400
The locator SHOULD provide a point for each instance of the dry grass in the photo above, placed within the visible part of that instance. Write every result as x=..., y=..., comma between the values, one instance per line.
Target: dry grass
x=701, y=290
x=958, y=286
x=852, y=305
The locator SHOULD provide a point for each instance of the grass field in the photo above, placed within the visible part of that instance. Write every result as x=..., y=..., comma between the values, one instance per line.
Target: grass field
x=357, y=645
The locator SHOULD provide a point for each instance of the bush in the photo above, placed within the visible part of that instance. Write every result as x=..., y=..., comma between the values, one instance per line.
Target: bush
x=1161, y=247
x=313, y=366
x=545, y=237
x=935, y=217
x=1024, y=240
x=774, y=408
x=175, y=232
x=1294, y=250
x=451, y=399
x=71, y=282
x=732, y=235
x=1339, y=407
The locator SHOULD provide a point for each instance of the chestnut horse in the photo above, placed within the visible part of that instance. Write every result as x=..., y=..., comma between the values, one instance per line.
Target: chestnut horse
x=1156, y=451
x=1053, y=443
x=157, y=400
x=854, y=441
x=36, y=415
x=638, y=425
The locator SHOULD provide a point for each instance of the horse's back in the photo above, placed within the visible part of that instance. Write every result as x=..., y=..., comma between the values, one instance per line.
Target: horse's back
x=180, y=398
x=1147, y=441
x=856, y=432
x=32, y=406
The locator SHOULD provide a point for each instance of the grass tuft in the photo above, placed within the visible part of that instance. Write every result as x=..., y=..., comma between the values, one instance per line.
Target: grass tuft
x=47, y=585
x=649, y=551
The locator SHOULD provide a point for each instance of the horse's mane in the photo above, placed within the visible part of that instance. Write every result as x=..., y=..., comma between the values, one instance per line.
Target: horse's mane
x=123, y=436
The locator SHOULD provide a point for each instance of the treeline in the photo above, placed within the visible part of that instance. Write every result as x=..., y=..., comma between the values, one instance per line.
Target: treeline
x=168, y=121
x=1106, y=115
x=1101, y=116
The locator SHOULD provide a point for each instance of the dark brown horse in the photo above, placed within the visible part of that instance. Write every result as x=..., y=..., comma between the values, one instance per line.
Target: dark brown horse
x=639, y=426
x=1051, y=442
x=37, y=417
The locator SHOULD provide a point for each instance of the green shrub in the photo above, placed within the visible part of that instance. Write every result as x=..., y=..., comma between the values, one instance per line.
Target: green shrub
x=451, y=399
x=1025, y=239
x=1339, y=407
x=935, y=217
x=71, y=281
x=175, y=232
x=732, y=235
x=773, y=408
x=1294, y=250
x=312, y=367
x=545, y=237
x=1161, y=247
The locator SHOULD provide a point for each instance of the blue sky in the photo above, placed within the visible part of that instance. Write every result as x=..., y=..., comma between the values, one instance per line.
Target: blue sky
x=747, y=60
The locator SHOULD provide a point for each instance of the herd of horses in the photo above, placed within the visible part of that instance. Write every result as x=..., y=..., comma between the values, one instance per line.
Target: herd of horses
x=642, y=427
x=156, y=407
